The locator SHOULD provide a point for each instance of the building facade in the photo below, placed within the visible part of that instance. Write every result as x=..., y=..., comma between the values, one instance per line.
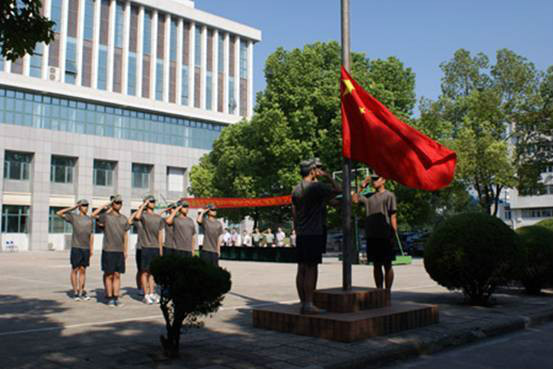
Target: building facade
x=126, y=99
x=523, y=211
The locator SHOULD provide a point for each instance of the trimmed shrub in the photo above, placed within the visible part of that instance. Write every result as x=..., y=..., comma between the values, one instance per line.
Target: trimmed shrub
x=547, y=223
x=537, y=272
x=473, y=252
x=190, y=288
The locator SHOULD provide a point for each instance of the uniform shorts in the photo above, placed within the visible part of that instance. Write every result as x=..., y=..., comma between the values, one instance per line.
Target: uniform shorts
x=148, y=254
x=184, y=253
x=168, y=251
x=138, y=258
x=310, y=248
x=79, y=257
x=210, y=257
x=113, y=262
x=380, y=250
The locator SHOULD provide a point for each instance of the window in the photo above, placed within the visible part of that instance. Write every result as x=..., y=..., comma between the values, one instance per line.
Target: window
x=61, y=169
x=73, y=115
x=221, y=53
x=102, y=67
x=198, y=47
x=55, y=15
x=159, y=79
x=57, y=224
x=131, y=80
x=537, y=213
x=147, y=33
x=15, y=219
x=173, y=48
x=184, y=86
x=119, y=12
x=17, y=165
x=243, y=59
x=208, y=91
x=88, y=20
x=103, y=173
x=141, y=175
x=176, y=179
x=36, y=61
x=71, y=61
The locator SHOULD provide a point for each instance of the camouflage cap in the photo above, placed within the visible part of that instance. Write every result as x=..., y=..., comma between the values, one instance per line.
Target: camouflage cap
x=116, y=198
x=82, y=202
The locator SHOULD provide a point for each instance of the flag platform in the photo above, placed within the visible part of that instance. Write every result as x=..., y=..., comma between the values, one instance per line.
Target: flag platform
x=349, y=315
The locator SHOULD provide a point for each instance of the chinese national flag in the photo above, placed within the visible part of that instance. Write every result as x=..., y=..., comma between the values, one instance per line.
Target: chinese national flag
x=373, y=135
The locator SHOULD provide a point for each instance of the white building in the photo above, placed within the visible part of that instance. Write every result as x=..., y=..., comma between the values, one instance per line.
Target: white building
x=528, y=210
x=125, y=100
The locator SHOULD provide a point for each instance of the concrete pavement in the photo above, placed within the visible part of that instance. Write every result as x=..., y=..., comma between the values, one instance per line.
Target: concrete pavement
x=40, y=326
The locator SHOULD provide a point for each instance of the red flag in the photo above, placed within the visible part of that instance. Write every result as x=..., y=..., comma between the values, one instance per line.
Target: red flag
x=373, y=135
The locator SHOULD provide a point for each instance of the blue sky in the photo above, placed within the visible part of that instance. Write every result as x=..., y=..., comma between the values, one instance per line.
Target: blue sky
x=422, y=34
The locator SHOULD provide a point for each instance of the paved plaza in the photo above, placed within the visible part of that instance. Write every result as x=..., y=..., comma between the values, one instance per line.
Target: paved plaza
x=41, y=327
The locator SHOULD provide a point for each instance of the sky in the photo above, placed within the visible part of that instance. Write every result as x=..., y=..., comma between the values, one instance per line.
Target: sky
x=422, y=34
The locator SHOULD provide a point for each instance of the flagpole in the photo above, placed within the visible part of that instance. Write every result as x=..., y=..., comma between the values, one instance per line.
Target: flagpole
x=346, y=205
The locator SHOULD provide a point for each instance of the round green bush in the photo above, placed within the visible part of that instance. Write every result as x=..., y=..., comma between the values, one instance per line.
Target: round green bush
x=473, y=252
x=190, y=288
x=537, y=272
x=547, y=223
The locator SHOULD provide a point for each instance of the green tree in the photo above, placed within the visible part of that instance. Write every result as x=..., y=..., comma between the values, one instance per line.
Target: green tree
x=495, y=117
x=22, y=26
x=297, y=116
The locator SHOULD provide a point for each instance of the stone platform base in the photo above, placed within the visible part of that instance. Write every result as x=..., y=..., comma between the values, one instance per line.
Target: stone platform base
x=345, y=327
x=336, y=300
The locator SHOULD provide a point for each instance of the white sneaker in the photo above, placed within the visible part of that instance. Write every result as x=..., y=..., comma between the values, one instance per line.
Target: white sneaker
x=148, y=300
x=155, y=298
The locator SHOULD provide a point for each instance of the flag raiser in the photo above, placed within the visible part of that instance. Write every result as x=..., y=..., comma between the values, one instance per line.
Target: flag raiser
x=373, y=135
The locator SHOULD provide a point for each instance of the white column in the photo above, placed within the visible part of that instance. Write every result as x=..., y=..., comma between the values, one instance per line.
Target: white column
x=125, y=61
x=111, y=45
x=153, y=57
x=226, y=79
x=95, y=44
x=166, y=50
x=215, y=71
x=80, y=35
x=63, y=37
x=139, y=51
x=26, y=65
x=191, y=64
x=250, y=79
x=237, y=74
x=203, y=68
x=46, y=4
x=178, y=74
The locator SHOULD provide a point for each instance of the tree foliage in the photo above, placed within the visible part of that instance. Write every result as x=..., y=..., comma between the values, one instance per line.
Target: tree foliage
x=22, y=26
x=497, y=118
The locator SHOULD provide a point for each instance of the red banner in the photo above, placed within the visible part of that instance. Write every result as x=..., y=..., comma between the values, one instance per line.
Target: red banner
x=228, y=203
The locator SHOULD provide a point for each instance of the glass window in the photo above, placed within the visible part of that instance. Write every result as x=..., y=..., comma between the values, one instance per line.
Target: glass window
x=198, y=47
x=36, y=61
x=147, y=33
x=15, y=219
x=57, y=224
x=243, y=59
x=61, y=169
x=141, y=175
x=71, y=61
x=231, y=98
x=88, y=20
x=131, y=80
x=208, y=91
x=221, y=53
x=173, y=49
x=55, y=15
x=159, y=80
x=102, y=67
x=119, y=17
x=17, y=165
x=103, y=173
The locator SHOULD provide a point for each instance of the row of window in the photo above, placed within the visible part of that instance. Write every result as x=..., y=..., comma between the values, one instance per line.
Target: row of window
x=537, y=213
x=77, y=116
x=16, y=219
x=17, y=166
x=149, y=56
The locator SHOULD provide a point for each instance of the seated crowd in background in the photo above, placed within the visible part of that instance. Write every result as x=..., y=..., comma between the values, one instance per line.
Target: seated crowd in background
x=268, y=238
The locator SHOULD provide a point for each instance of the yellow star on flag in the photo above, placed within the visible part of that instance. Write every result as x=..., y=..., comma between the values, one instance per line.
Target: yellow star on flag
x=349, y=86
x=362, y=110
